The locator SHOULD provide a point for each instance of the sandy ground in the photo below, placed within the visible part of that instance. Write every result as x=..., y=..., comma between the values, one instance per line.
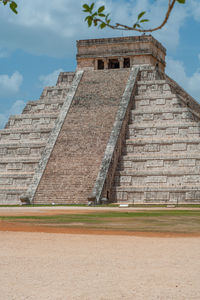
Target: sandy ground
x=36, y=265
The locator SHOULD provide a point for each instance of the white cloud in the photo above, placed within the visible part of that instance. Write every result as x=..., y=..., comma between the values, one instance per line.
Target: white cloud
x=195, y=9
x=4, y=53
x=50, y=79
x=191, y=84
x=10, y=85
x=16, y=108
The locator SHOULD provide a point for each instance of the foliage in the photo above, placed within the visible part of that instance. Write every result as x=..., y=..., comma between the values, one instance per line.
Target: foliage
x=12, y=5
x=99, y=18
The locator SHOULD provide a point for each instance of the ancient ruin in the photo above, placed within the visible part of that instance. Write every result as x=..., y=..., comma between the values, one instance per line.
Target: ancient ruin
x=116, y=130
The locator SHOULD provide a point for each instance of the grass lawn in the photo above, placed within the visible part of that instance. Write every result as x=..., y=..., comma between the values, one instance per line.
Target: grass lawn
x=180, y=221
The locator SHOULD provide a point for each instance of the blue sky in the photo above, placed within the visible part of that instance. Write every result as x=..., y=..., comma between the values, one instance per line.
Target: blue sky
x=40, y=42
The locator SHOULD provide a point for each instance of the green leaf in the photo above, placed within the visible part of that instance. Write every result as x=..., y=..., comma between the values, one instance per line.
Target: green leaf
x=101, y=9
x=89, y=22
x=95, y=22
x=136, y=25
x=144, y=20
x=101, y=15
x=86, y=7
x=141, y=14
x=13, y=7
x=107, y=16
x=102, y=25
x=181, y=1
x=92, y=6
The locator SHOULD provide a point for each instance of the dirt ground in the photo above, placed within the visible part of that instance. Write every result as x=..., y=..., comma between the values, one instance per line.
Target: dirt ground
x=40, y=263
x=97, y=267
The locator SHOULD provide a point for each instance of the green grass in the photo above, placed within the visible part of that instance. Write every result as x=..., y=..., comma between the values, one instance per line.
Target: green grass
x=155, y=221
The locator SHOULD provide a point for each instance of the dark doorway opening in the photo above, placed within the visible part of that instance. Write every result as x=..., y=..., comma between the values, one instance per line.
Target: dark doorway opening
x=126, y=62
x=100, y=64
x=113, y=64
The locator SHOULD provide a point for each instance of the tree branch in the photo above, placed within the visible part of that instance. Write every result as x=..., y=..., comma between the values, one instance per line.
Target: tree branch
x=119, y=26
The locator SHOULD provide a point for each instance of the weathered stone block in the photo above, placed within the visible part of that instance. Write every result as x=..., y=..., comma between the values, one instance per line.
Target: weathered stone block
x=135, y=196
x=143, y=102
x=157, y=196
x=23, y=151
x=14, y=166
x=187, y=162
x=157, y=179
x=172, y=130
x=179, y=147
x=124, y=179
x=166, y=87
x=150, y=131
x=177, y=196
x=152, y=148
x=6, y=181
x=193, y=195
x=160, y=101
x=168, y=116
x=154, y=163
x=148, y=117
x=191, y=178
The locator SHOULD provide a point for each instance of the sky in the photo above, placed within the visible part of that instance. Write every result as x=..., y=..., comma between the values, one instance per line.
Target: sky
x=40, y=42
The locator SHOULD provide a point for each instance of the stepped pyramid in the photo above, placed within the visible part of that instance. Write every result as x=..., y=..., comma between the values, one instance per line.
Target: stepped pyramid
x=118, y=130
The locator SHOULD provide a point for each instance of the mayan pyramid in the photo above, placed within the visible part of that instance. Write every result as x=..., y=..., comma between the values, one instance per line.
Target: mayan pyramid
x=117, y=130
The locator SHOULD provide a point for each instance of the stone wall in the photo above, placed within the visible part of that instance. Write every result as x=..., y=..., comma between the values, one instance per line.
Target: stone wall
x=160, y=161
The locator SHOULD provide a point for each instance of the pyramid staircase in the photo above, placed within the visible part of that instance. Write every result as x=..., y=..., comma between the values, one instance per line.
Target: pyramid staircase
x=160, y=161
x=24, y=138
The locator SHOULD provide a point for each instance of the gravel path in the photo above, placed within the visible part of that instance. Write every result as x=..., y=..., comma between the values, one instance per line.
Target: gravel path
x=52, y=266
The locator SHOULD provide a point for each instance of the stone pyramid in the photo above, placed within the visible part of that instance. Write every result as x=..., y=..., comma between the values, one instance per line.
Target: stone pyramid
x=116, y=130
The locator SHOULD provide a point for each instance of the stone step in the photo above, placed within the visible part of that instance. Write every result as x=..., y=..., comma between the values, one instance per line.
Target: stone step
x=65, y=79
x=15, y=179
x=161, y=144
x=144, y=194
x=170, y=171
x=21, y=149
x=163, y=156
x=160, y=110
x=150, y=160
x=11, y=195
x=161, y=124
x=55, y=92
x=154, y=97
x=154, y=87
x=157, y=163
x=35, y=120
x=156, y=101
x=21, y=164
x=142, y=129
x=173, y=114
x=43, y=106
x=151, y=82
x=10, y=134
x=153, y=180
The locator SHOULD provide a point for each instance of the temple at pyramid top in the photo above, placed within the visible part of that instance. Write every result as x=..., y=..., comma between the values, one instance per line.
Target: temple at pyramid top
x=120, y=52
